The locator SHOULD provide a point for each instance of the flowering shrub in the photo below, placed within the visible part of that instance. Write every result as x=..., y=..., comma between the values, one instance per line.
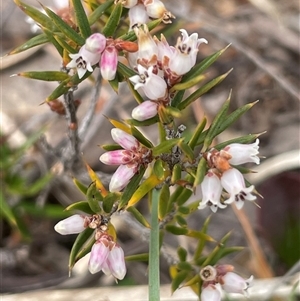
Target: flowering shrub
x=169, y=171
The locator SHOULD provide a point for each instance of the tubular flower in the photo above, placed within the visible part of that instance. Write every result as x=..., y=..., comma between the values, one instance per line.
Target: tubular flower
x=130, y=158
x=233, y=182
x=153, y=85
x=184, y=58
x=138, y=15
x=211, y=292
x=145, y=110
x=99, y=254
x=243, y=153
x=233, y=283
x=116, y=263
x=71, y=225
x=211, y=192
x=109, y=63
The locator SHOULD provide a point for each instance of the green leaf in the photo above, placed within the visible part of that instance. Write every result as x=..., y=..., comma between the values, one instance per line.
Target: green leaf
x=199, y=235
x=109, y=201
x=187, y=150
x=131, y=187
x=82, y=187
x=184, y=196
x=179, y=278
x=94, y=197
x=61, y=41
x=113, y=21
x=36, y=15
x=200, y=174
x=176, y=173
x=164, y=147
x=159, y=169
x=140, y=137
x=86, y=248
x=79, y=243
x=99, y=11
x=137, y=257
x=202, y=66
x=202, y=242
x=114, y=83
x=178, y=98
x=35, y=41
x=164, y=196
x=184, y=210
x=137, y=96
x=176, y=230
x=7, y=212
x=182, y=253
x=125, y=71
x=68, y=31
x=45, y=75
x=81, y=206
x=51, y=38
x=111, y=147
x=184, y=266
x=147, y=122
x=199, y=129
x=81, y=19
x=181, y=221
x=202, y=90
x=138, y=216
x=188, y=84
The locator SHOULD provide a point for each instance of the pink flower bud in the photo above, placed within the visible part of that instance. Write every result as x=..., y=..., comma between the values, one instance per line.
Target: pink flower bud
x=95, y=43
x=99, y=254
x=117, y=157
x=109, y=63
x=145, y=110
x=71, y=225
x=116, y=262
x=125, y=140
x=121, y=177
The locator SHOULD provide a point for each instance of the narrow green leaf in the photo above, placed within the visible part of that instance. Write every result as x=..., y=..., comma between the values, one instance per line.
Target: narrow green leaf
x=125, y=71
x=159, y=169
x=67, y=30
x=180, y=277
x=113, y=21
x=36, y=15
x=94, y=197
x=199, y=129
x=82, y=187
x=202, y=90
x=7, y=212
x=137, y=96
x=186, y=149
x=61, y=40
x=140, y=137
x=174, y=112
x=111, y=147
x=184, y=210
x=109, y=201
x=164, y=147
x=131, y=187
x=182, y=253
x=184, y=196
x=81, y=206
x=86, y=248
x=177, y=230
x=200, y=174
x=45, y=75
x=154, y=275
x=80, y=241
x=201, y=242
x=35, y=41
x=114, y=83
x=216, y=123
x=164, y=196
x=177, y=98
x=202, y=66
x=199, y=235
x=181, y=221
x=188, y=84
x=243, y=140
x=99, y=11
x=184, y=266
x=137, y=257
x=176, y=173
x=81, y=19
x=138, y=216
x=147, y=122
x=53, y=41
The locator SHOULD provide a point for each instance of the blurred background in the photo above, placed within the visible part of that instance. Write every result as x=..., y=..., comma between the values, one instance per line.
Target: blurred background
x=264, y=55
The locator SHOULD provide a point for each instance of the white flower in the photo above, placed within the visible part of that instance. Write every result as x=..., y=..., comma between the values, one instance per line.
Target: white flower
x=153, y=85
x=211, y=189
x=243, y=153
x=145, y=110
x=233, y=182
x=233, y=283
x=212, y=292
x=71, y=225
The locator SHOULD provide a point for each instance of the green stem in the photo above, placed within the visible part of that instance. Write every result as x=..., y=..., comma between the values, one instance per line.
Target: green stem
x=154, y=281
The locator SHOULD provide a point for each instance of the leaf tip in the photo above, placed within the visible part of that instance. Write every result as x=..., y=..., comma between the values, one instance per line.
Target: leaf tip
x=16, y=74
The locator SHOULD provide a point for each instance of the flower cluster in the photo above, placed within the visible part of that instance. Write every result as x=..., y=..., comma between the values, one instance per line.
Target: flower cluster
x=222, y=175
x=221, y=277
x=101, y=50
x=159, y=67
x=130, y=158
x=106, y=254
x=141, y=11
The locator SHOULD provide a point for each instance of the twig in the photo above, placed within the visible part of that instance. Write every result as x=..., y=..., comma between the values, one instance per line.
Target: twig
x=86, y=122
